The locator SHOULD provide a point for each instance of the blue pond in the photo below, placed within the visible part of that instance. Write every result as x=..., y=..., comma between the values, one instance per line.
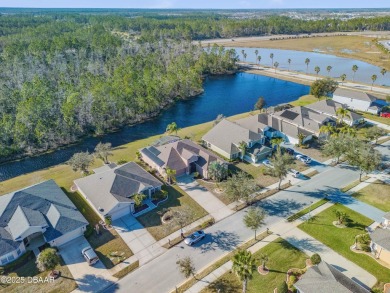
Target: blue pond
x=228, y=95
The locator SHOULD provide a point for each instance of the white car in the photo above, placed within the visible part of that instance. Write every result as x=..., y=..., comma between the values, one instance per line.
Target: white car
x=90, y=255
x=303, y=158
x=294, y=173
x=194, y=237
x=268, y=164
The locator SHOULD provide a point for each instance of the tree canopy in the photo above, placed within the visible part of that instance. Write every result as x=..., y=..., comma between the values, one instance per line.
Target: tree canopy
x=323, y=87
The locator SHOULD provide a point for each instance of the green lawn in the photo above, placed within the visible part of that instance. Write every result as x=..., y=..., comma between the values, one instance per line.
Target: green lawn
x=376, y=118
x=256, y=172
x=376, y=194
x=340, y=239
x=307, y=210
x=177, y=200
x=305, y=100
x=65, y=283
x=282, y=257
x=109, y=246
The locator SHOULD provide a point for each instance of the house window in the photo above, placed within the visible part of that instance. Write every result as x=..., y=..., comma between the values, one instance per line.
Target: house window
x=10, y=257
x=18, y=251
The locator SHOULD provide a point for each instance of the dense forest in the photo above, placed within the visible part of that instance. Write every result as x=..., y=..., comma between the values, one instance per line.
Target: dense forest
x=64, y=75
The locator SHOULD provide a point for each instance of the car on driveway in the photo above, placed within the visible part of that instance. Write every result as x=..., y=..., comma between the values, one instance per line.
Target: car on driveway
x=194, y=237
x=385, y=114
x=294, y=173
x=303, y=158
x=90, y=255
x=268, y=164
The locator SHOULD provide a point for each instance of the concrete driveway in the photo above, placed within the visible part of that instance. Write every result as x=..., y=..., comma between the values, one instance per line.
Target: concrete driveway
x=140, y=241
x=88, y=278
x=216, y=208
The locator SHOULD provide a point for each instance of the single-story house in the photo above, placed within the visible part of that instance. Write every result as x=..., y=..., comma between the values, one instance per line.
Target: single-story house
x=358, y=100
x=380, y=244
x=325, y=278
x=184, y=156
x=225, y=138
x=329, y=108
x=34, y=216
x=111, y=188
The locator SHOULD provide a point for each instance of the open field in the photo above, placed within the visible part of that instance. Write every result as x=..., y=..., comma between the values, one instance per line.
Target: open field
x=340, y=240
x=362, y=48
x=282, y=256
x=177, y=200
x=376, y=194
x=65, y=283
x=305, y=100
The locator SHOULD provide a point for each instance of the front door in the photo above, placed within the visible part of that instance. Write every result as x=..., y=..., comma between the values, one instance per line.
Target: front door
x=192, y=168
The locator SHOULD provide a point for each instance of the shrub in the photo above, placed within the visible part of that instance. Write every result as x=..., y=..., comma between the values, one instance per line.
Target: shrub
x=108, y=220
x=365, y=247
x=315, y=259
x=138, y=199
x=292, y=280
x=122, y=161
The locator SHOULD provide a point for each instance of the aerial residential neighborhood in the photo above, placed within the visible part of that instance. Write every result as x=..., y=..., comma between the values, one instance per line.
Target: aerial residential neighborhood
x=194, y=146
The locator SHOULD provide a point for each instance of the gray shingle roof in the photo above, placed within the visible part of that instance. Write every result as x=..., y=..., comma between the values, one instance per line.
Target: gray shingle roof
x=387, y=216
x=381, y=237
x=325, y=278
x=33, y=206
x=358, y=95
x=226, y=133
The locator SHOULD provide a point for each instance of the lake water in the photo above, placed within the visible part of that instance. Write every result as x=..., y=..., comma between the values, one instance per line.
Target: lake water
x=228, y=95
x=339, y=65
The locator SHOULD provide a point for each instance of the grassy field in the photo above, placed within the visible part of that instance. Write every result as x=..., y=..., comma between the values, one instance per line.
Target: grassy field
x=376, y=118
x=305, y=100
x=282, y=257
x=340, y=240
x=361, y=48
x=376, y=194
x=177, y=200
x=65, y=283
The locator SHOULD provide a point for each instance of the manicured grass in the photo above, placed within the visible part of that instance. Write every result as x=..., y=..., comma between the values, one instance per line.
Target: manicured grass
x=340, y=240
x=256, y=172
x=177, y=200
x=376, y=194
x=376, y=118
x=305, y=100
x=353, y=184
x=282, y=257
x=65, y=283
x=127, y=270
x=109, y=246
x=307, y=210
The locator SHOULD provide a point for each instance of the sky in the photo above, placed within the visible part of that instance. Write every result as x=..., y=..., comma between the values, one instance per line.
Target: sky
x=207, y=4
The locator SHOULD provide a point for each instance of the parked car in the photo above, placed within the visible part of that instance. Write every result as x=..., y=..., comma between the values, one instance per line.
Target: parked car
x=290, y=151
x=90, y=255
x=194, y=237
x=385, y=114
x=303, y=158
x=268, y=164
x=294, y=173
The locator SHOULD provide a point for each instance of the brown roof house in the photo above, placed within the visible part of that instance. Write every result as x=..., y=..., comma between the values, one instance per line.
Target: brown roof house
x=111, y=188
x=380, y=240
x=325, y=278
x=184, y=156
x=225, y=138
x=358, y=100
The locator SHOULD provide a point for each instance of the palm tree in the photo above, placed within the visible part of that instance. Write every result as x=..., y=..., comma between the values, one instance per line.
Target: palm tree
x=263, y=258
x=342, y=113
x=172, y=128
x=327, y=129
x=354, y=69
x=383, y=71
x=272, y=58
x=328, y=68
x=307, y=61
x=348, y=130
x=343, y=77
x=243, y=52
x=170, y=174
x=256, y=53
x=244, y=265
x=242, y=147
x=373, y=78
x=276, y=65
x=317, y=69
x=245, y=56
x=259, y=59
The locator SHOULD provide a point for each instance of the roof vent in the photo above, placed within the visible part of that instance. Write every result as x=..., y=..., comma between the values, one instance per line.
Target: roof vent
x=101, y=209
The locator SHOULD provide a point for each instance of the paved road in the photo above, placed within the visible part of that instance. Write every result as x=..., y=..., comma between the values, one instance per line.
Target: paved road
x=162, y=275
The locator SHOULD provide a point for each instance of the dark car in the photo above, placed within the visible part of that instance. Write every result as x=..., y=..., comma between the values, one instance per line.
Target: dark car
x=290, y=151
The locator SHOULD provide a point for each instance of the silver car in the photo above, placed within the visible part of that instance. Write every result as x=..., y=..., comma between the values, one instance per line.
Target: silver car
x=194, y=237
x=294, y=173
x=303, y=158
x=90, y=255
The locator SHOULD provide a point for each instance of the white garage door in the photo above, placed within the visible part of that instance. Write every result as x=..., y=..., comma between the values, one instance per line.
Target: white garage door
x=67, y=237
x=116, y=214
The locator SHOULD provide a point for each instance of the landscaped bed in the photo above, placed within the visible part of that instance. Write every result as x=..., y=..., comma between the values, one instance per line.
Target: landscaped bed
x=179, y=201
x=375, y=194
x=282, y=257
x=65, y=283
x=340, y=240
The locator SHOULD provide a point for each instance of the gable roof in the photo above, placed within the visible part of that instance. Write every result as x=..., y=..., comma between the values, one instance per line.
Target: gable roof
x=255, y=123
x=325, y=278
x=33, y=206
x=330, y=107
x=381, y=237
x=106, y=189
x=358, y=95
x=226, y=134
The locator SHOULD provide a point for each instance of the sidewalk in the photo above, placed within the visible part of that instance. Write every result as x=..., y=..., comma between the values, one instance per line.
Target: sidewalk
x=304, y=242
